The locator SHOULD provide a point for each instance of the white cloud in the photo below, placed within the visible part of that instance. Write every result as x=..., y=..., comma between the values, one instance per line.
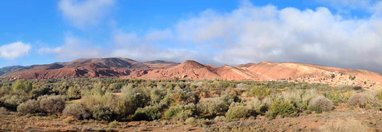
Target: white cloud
x=346, y=6
x=85, y=12
x=348, y=3
x=145, y=47
x=253, y=34
x=14, y=50
x=267, y=33
x=73, y=48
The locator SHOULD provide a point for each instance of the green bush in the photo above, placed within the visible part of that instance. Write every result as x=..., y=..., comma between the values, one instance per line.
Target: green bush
x=140, y=97
x=73, y=93
x=180, y=112
x=37, y=92
x=258, y=106
x=237, y=110
x=12, y=101
x=282, y=108
x=338, y=96
x=320, y=104
x=52, y=104
x=212, y=108
x=78, y=111
x=29, y=107
x=156, y=95
x=182, y=96
x=102, y=113
x=260, y=92
x=379, y=95
x=21, y=86
x=148, y=113
x=130, y=100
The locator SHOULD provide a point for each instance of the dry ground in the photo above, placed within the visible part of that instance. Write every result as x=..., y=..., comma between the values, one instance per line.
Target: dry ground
x=341, y=118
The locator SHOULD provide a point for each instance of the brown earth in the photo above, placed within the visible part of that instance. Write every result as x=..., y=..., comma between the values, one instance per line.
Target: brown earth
x=156, y=70
x=343, y=118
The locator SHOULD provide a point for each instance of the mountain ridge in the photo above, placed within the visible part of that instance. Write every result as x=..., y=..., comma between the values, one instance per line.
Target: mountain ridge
x=193, y=70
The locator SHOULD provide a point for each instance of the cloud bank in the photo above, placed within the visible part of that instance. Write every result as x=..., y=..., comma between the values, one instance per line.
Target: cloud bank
x=83, y=13
x=14, y=50
x=260, y=33
x=73, y=48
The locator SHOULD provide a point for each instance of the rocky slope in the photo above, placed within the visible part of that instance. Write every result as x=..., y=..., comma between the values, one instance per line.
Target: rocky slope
x=9, y=69
x=264, y=71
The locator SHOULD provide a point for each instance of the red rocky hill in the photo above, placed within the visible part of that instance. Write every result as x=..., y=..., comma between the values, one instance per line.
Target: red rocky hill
x=155, y=70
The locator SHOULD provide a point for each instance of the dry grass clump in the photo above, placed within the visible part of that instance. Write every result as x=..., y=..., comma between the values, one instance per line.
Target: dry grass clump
x=29, y=107
x=338, y=96
x=282, y=108
x=180, y=112
x=236, y=111
x=320, y=104
x=260, y=92
x=378, y=95
x=340, y=125
x=45, y=104
x=52, y=104
x=214, y=107
x=148, y=113
x=3, y=110
x=259, y=106
x=363, y=100
x=77, y=111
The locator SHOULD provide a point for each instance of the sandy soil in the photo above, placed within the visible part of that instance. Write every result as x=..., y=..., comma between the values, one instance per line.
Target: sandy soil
x=371, y=119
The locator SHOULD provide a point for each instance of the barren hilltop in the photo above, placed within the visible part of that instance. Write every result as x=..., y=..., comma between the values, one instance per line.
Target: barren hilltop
x=192, y=70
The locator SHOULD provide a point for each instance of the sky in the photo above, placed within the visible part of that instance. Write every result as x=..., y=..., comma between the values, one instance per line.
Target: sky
x=343, y=33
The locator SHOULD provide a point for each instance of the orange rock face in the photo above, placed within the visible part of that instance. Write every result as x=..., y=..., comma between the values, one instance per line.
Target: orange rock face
x=192, y=70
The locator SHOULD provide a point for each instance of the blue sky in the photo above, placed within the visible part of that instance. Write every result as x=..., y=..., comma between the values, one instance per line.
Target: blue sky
x=328, y=32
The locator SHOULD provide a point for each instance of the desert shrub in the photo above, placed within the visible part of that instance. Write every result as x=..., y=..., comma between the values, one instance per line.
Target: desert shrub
x=140, y=97
x=299, y=98
x=379, y=95
x=230, y=98
x=156, y=95
x=219, y=119
x=260, y=91
x=237, y=110
x=320, y=104
x=37, y=92
x=29, y=107
x=182, y=96
x=280, y=107
x=52, y=104
x=148, y=113
x=12, y=101
x=191, y=121
x=100, y=112
x=179, y=112
x=78, y=111
x=258, y=106
x=130, y=100
x=73, y=93
x=21, y=86
x=341, y=125
x=362, y=101
x=212, y=108
x=338, y=96
x=96, y=97
x=3, y=110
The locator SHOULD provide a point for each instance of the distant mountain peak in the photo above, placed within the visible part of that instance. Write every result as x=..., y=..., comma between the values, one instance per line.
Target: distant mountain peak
x=191, y=69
